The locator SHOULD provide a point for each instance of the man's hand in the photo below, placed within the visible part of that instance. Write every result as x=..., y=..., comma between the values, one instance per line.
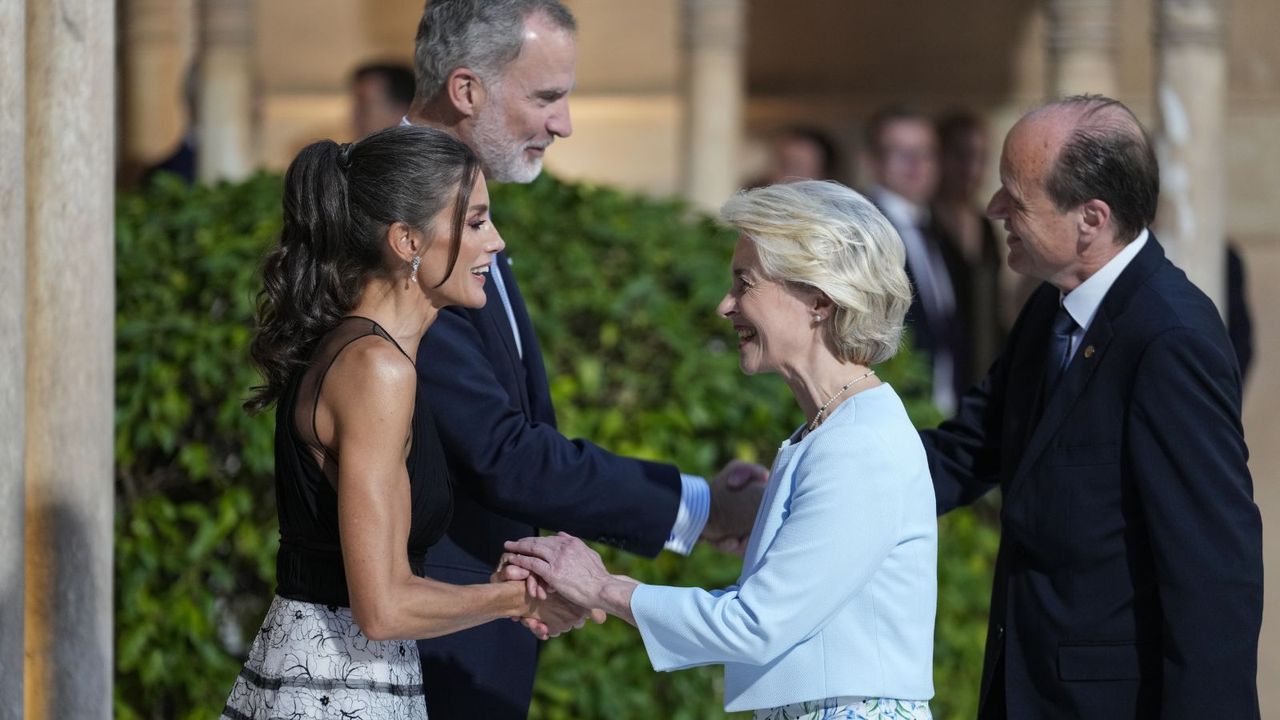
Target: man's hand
x=573, y=571
x=738, y=474
x=735, y=498
x=552, y=615
x=564, y=563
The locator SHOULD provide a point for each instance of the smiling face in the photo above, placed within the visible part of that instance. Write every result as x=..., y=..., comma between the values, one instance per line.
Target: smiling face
x=527, y=107
x=1042, y=239
x=479, y=241
x=772, y=320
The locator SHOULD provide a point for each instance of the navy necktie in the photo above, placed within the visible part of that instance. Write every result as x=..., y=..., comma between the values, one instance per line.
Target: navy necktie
x=1059, y=348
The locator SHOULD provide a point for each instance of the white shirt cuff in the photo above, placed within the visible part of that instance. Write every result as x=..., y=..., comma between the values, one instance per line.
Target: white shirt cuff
x=695, y=505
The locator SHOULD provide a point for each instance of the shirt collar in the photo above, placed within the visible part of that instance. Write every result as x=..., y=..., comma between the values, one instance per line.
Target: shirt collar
x=1083, y=302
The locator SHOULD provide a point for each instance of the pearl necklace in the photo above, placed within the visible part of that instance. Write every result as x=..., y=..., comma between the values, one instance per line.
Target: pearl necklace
x=817, y=419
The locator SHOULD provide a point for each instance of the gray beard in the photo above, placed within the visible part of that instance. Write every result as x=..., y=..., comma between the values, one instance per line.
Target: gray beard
x=501, y=157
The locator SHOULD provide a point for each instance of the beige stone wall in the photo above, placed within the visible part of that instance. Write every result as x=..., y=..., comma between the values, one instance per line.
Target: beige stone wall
x=1254, y=224
x=1253, y=220
x=627, y=108
x=304, y=84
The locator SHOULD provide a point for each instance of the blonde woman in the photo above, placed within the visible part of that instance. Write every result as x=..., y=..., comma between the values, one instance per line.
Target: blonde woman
x=833, y=613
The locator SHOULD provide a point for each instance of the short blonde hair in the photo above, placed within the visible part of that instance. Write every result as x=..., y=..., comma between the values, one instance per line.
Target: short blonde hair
x=823, y=235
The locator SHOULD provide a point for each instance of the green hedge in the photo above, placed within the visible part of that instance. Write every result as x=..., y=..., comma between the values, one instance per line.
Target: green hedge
x=623, y=290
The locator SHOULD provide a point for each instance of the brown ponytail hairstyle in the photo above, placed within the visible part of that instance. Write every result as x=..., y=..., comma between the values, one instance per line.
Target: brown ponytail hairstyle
x=339, y=202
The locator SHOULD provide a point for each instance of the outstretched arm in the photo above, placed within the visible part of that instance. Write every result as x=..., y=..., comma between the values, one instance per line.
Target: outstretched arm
x=526, y=469
x=792, y=593
x=367, y=401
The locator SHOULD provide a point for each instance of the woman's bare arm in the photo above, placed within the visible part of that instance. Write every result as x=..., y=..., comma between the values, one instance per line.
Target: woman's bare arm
x=369, y=395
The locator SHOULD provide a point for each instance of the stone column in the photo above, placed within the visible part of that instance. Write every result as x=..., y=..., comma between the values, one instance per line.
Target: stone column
x=225, y=107
x=12, y=350
x=1082, y=47
x=154, y=63
x=1191, y=89
x=70, y=277
x=714, y=39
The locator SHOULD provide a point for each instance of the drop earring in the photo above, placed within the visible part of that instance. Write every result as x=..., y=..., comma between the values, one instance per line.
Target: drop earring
x=413, y=269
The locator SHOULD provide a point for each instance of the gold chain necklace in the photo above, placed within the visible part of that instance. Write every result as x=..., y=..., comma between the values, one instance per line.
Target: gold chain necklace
x=817, y=419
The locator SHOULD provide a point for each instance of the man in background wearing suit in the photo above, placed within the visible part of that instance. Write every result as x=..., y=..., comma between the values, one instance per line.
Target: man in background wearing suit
x=902, y=148
x=1129, y=577
x=497, y=75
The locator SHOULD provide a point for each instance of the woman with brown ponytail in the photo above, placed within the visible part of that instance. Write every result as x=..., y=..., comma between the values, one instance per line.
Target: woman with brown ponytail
x=378, y=236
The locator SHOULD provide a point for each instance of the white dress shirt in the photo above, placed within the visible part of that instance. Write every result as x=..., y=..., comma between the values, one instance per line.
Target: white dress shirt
x=1082, y=303
x=933, y=283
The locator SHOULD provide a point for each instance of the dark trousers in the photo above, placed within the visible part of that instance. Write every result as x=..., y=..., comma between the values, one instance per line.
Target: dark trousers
x=994, y=707
x=485, y=672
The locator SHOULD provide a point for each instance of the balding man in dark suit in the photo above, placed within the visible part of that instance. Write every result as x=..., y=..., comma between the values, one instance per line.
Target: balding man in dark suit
x=1129, y=576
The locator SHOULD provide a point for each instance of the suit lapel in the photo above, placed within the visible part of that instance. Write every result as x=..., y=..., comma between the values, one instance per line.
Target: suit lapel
x=1026, y=368
x=496, y=312
x=1090, y=354
x=1059, y=400
x=528, y=338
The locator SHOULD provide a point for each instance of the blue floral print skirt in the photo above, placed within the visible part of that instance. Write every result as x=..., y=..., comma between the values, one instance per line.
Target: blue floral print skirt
x=850, y=708
x=312, y=661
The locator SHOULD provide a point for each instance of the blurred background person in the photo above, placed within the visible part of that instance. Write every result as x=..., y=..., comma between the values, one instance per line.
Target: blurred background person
x=964, y=150
x=182, y=161
x=801, y=153
x=902, y=155
x=380, y=96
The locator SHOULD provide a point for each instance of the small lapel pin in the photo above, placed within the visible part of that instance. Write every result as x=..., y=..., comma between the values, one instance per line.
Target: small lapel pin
x=1088, y=352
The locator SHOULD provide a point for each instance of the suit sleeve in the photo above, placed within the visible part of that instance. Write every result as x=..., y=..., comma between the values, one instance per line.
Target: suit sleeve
x=527, y=470
x=964, y=452
x=805, y=577
x=1188, y=455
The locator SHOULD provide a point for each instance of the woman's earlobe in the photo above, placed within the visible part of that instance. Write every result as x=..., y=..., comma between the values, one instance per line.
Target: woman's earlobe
x=403, y=242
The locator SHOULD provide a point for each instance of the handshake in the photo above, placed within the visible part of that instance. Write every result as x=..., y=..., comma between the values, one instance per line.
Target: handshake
x=566, y=582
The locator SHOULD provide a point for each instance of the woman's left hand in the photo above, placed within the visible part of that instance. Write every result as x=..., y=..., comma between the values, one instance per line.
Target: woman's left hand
x=565, y=563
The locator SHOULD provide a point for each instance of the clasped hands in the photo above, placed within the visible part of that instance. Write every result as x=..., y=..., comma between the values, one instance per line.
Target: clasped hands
x=566, y=582
x=550, y=614
x=735, y=497
x=561, y=571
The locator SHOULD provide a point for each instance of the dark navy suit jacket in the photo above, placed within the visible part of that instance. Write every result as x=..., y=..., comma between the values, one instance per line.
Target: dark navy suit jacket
x=1129, y=577
x=514, y=473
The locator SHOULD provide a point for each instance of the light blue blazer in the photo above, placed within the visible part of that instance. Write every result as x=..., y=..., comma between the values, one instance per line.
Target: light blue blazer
x=839, y=583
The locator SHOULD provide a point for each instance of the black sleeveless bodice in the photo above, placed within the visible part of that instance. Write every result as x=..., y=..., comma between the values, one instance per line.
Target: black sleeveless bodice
x=309, y=563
